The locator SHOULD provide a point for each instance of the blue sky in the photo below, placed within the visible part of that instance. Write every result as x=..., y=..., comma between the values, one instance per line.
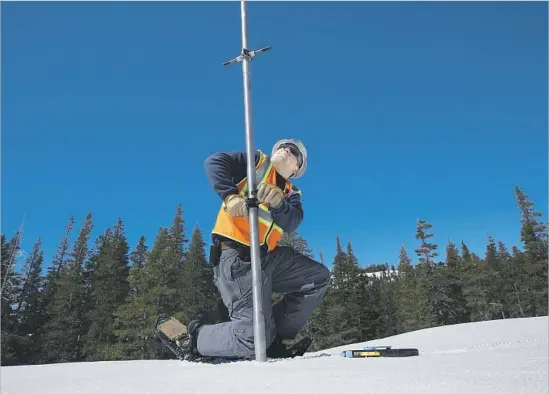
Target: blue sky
x=408, y=110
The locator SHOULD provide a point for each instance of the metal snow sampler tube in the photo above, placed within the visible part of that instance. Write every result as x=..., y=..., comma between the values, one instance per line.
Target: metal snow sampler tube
x=245, y=58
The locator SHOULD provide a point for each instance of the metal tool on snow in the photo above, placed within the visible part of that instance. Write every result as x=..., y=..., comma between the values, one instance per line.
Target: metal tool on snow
x=379, y=351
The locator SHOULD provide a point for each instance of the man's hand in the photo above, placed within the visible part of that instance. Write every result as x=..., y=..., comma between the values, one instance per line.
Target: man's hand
x=235, y=205
x=270, y=194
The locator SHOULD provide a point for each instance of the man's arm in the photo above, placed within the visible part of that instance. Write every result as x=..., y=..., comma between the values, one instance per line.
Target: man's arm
x=289, y=214
x=225, y=169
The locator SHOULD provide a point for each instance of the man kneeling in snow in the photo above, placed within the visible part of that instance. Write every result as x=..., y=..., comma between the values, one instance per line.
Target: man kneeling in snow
x=302, y=280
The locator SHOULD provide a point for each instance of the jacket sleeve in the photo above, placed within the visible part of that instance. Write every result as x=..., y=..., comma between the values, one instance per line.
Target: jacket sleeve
x=225, y=169
x=289, y=214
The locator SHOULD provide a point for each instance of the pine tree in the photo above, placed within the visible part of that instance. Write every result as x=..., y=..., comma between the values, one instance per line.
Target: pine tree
x=494, y=280
x=10, y=282
x=109, y=289
x=533, y=232
x=535, y=238
x=66, y=325
x=59, y=261
x=139, y=255
x=343, y=296
x=370, y=317
x=465, y=253
x=63, y=333
x=30, y=307
x=133, y=319
x=427, y=277
x=522, y=306
x=174, y=258
x=344, y=270
x=51, y=280
x=161, y=294
x=177, y=232
x=456, y=311
x=160, y=273
x=352, y=283
x=384, y=287
x=427, y=251
x=198, y=291
x=510, y=290
x=475, y=282
x=81, y=255
x=410, y=300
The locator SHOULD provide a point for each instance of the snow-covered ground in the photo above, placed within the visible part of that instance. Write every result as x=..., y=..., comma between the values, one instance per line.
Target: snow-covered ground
x=503, y=356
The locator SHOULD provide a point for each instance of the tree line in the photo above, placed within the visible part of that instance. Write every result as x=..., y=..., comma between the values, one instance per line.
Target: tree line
x=101, y=302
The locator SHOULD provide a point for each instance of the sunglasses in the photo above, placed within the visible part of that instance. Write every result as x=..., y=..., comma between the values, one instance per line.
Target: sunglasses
x=294, y=151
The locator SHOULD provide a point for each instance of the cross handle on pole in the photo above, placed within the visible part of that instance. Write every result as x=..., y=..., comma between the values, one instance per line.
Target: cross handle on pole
x=246, y=54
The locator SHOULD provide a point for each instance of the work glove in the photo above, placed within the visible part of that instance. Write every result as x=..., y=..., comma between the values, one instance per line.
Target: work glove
x=270, y=194
x=235, y=205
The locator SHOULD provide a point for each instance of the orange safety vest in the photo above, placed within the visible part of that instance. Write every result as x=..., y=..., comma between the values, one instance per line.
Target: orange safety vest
x=237, y=228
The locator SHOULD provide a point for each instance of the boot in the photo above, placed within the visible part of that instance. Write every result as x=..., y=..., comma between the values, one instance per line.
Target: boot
x=180, y=339
x=278, y=349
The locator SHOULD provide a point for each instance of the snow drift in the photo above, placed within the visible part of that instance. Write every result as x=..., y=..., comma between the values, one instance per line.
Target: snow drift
x=502, y=356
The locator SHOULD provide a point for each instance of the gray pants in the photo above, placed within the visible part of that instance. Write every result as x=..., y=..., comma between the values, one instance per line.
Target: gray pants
x=301, y=280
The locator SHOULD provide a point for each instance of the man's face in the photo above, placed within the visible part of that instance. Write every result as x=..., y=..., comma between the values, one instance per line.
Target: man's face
x=285, y=162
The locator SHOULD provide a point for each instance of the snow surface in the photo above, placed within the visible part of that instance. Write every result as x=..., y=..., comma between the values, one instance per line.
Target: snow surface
x=502, y=356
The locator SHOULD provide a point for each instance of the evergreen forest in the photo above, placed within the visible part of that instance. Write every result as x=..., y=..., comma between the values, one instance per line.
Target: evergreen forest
x=98, y=299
